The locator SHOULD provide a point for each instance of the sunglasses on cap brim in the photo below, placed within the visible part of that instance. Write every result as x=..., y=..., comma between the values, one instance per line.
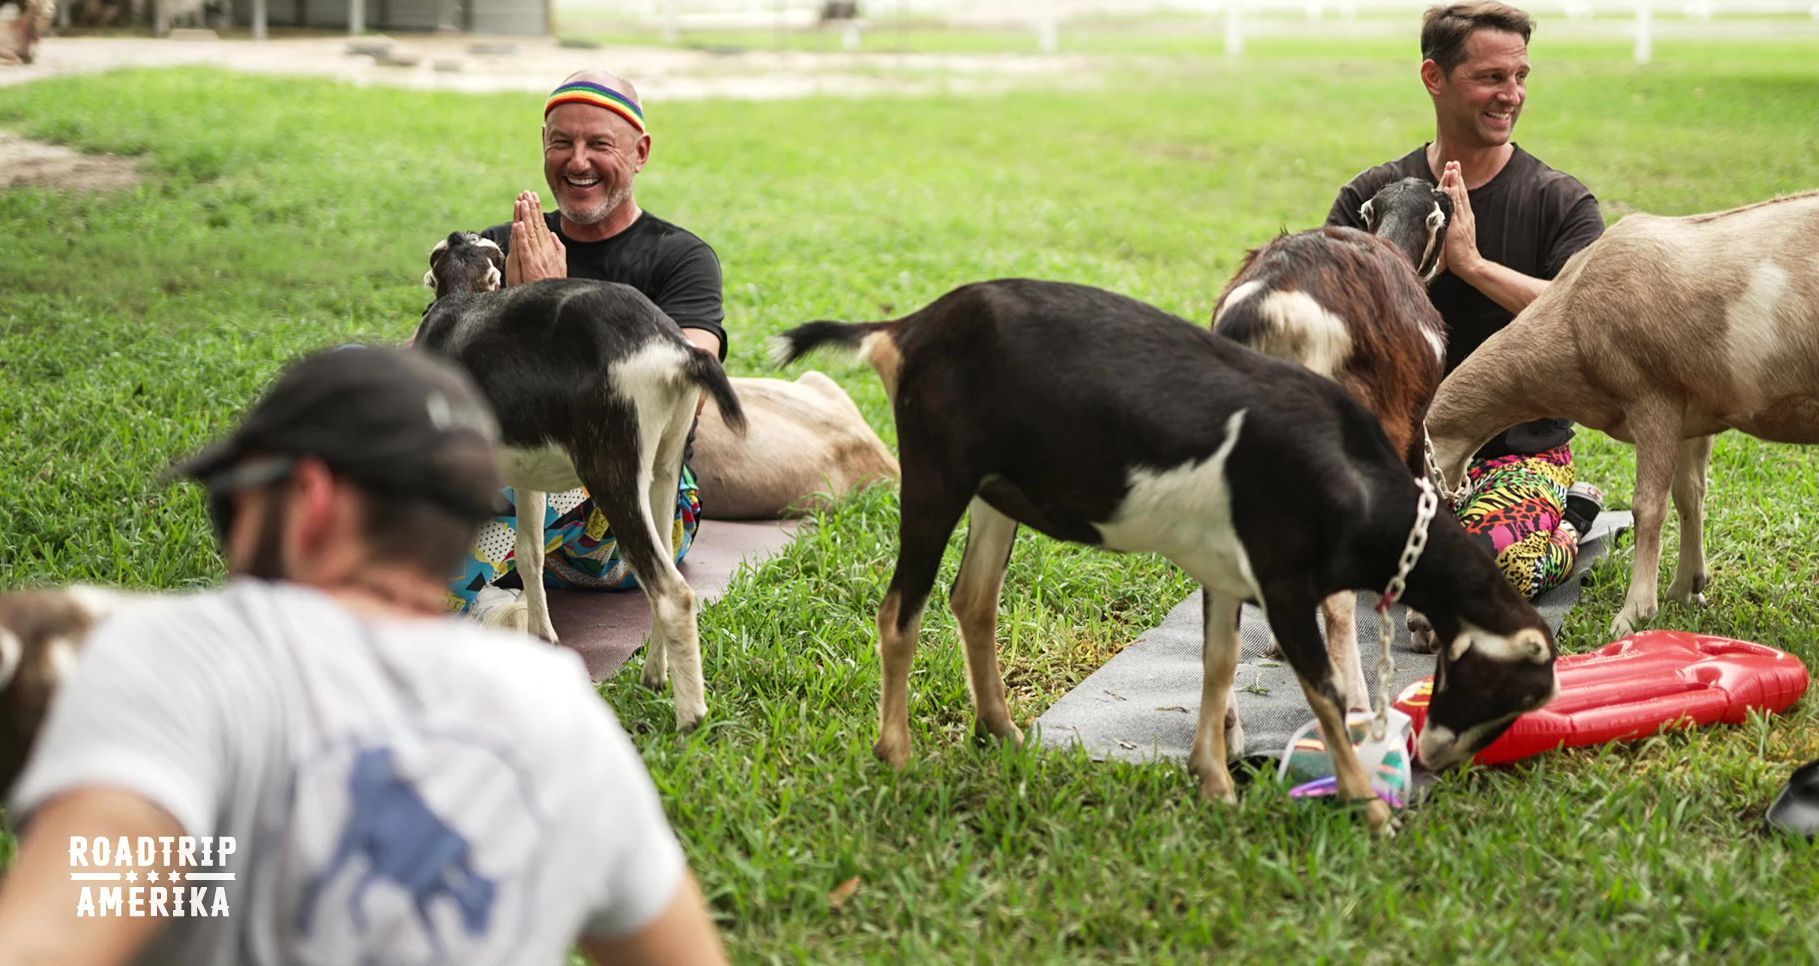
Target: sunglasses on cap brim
x=248, y=475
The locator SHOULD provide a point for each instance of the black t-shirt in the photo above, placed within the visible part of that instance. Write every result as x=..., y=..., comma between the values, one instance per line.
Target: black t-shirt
x=1530, y=218
x=672, y=267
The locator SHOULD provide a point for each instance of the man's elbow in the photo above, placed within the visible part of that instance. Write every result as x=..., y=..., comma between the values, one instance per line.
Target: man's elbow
x=702, y=338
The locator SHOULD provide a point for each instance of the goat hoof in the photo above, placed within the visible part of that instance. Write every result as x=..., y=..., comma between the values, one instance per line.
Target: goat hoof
x=1217, y=787
x=1377, y=813
x=1273, y=650
x=689, y=720
x=1421, y=636
x=653, y=677
x=1005, y=733
x=893, y=753
x=1629, y=618
x=1689, y=593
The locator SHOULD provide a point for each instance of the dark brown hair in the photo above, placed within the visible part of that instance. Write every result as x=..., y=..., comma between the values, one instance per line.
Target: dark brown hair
x=1444, y=29
x=415, y=533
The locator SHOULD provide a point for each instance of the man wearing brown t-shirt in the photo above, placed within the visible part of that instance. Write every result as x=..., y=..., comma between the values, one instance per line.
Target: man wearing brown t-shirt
x=1515, y=223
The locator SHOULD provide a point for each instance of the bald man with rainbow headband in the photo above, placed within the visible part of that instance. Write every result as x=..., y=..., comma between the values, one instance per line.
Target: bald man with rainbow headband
x=595, y=141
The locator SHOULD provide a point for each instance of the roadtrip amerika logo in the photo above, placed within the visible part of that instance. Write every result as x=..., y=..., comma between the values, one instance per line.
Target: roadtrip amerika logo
x=166, y=876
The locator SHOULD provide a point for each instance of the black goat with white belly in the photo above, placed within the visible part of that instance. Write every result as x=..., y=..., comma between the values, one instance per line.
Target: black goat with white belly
x=593, y=386
x=1098, y=419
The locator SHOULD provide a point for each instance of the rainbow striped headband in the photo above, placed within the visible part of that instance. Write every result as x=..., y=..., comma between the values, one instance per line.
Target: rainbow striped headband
x=586, y=92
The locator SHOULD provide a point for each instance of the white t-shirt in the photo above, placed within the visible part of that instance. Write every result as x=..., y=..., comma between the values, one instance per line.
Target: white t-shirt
x=399, y=791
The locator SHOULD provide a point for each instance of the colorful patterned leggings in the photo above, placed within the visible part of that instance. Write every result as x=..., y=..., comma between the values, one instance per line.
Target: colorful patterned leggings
x=1516, y=508
x=580, y=551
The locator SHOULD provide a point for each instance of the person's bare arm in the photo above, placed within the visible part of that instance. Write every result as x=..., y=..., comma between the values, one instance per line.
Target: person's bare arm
x=1501, y=284
x=682, y=934
x=701, y=338
x=38, y=901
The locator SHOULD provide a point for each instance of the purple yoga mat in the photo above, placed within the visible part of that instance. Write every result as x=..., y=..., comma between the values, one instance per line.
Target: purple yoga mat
x=608, y=627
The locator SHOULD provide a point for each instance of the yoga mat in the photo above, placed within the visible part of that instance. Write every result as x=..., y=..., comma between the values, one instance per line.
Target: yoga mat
x=1142, y=705
x=608, y=627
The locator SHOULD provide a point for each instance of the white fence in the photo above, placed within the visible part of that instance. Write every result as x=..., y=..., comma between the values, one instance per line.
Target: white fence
x=1048, y=18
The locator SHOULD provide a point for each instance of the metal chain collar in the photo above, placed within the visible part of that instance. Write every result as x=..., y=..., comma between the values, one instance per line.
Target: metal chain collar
x=1460, y=492
x=1425, y=507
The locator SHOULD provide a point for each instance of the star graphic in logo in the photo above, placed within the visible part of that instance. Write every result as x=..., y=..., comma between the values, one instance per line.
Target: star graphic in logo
x=151, y=876
x=175, y=877
x=132, y=877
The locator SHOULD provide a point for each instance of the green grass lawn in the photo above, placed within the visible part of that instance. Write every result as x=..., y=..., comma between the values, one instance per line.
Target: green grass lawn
x=280, y=215
x=1183, y=34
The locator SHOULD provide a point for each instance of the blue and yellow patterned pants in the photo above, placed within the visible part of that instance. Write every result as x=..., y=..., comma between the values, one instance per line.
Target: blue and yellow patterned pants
x=580, y=551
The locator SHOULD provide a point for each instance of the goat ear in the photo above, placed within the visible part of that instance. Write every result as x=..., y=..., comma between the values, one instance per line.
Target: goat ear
x=429, y=279
x=1531, y=646
x=1365, y=211
x=436, y=254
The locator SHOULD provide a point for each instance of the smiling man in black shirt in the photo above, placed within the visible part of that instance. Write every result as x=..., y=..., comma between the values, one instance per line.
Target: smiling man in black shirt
x=594, y=144
x=1515, y=223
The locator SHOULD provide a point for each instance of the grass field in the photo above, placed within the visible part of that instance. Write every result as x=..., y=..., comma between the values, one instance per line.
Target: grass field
x=1183, y=34
x=278, y=216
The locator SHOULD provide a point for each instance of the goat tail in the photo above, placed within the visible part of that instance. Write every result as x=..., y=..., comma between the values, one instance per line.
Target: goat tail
x=704, y=370
x=809, y=336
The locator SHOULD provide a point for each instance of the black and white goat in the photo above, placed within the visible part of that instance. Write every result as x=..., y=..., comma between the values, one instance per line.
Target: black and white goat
x=1350, y=306
x=1095, y=418
x=593, y=386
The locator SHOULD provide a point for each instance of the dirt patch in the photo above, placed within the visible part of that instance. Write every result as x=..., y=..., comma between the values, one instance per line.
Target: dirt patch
x=28, y=163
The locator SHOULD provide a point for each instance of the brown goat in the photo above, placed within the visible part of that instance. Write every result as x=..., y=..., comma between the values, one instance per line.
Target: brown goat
x=1350, y=306
x=1663, y=333
x=41, y=635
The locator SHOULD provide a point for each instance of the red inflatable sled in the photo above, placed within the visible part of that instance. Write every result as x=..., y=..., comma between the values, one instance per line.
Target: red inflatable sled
x=1638, y=686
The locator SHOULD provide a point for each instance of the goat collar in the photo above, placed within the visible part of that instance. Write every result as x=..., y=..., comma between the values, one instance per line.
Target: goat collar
x=1425, y=508
x=599, y=95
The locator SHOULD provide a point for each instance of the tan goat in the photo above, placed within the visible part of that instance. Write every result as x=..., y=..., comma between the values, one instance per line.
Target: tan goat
x=805, y=444
x=1663, y=333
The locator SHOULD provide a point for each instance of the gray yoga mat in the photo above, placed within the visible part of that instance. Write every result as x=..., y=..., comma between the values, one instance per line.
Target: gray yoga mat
x=1142, y=705
x=608, y=627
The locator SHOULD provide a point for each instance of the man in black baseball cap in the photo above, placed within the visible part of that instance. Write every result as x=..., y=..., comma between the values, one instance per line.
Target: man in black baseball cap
x=391, y=450
x=375, y=778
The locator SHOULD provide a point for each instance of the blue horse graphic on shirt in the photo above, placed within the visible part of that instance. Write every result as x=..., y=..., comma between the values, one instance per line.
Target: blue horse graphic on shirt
x=393, y=829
